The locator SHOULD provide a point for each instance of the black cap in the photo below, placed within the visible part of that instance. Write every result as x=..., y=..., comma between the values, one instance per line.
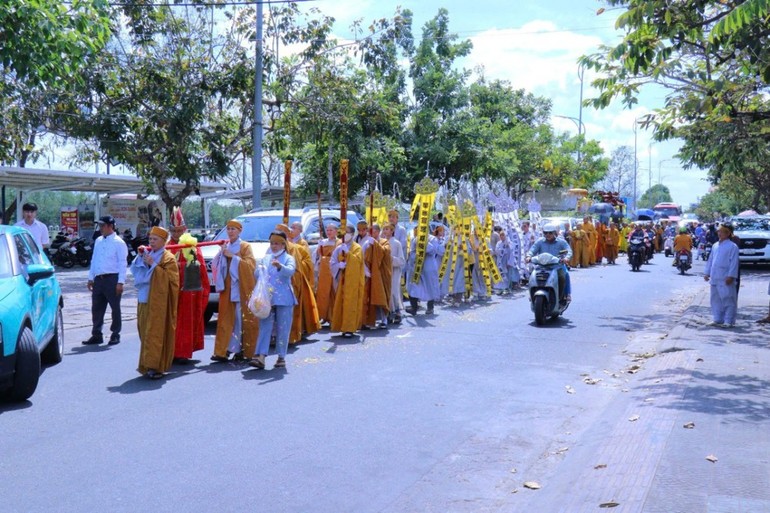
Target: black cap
x=29, y=207
x=106, y=220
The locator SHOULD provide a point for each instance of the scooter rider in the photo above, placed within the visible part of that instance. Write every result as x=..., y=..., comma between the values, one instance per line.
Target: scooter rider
x=682, y=242
x=559, y=248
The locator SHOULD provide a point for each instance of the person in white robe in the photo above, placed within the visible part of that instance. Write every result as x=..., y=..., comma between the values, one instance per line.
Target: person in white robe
x=722, y=273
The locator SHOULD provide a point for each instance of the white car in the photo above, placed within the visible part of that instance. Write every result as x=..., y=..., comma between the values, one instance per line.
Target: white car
x=257, y=226
x=754, y=235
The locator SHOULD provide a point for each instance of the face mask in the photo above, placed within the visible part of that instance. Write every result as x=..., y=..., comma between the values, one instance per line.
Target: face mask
x=347, y=237
x=280, y=252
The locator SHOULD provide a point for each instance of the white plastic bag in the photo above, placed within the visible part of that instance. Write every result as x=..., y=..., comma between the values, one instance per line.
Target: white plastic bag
x=260, y=302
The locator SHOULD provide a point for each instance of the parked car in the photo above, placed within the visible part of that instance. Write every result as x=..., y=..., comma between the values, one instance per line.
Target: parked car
x=257, y=226
x=754, y=235
x=31, y=322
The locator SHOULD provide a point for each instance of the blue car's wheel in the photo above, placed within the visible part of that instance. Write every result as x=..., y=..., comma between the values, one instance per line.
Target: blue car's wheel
x=54, y=351
x=27, y=371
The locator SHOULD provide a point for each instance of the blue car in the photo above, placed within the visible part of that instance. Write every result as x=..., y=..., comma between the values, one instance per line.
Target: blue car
x=31, y=323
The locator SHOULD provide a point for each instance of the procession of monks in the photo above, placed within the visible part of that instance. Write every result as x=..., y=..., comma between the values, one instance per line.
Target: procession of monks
x=357, y=279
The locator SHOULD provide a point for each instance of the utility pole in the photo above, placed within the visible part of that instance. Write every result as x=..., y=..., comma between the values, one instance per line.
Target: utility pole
x=636, y=165
x=256, y=159
x=581, y=71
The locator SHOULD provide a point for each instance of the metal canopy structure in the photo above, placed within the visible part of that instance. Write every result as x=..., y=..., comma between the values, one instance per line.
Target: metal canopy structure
x=31, y=180
x=26, y=180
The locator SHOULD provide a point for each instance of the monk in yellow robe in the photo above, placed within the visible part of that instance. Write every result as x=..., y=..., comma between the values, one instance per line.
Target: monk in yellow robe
x=325, y=287
x=612, y=242
x=347, y=265
x=156, y=277
x=624, y=231
x=578, y=243
x=305, y=317
x=234, y=279
x=590, y=244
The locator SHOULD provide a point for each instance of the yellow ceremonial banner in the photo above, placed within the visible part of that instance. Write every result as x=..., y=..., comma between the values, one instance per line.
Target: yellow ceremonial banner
x=445, y=260
x=343, y=194
x=422, y=237
x=415, y=205
x=467, y=262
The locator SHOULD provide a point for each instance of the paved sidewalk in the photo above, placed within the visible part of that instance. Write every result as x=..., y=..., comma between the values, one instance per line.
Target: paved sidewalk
x=700, y=392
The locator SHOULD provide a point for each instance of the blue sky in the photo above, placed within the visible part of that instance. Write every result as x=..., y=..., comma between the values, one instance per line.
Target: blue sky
x=535, y=45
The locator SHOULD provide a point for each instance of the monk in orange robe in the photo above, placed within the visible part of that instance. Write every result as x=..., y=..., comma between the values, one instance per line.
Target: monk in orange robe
x=325, y=289
x=157, y=281
x=347, y=265
x=601, y=241
x=378, y=259
x=590, y=244
x=305, y=317
x=234, y=278
x=578, y=243
x=192, y=303
x=613, y=242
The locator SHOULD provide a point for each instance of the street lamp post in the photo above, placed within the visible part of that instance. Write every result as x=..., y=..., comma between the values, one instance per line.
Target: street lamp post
x=581, y=129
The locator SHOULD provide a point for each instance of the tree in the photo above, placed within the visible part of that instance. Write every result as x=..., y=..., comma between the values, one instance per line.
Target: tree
x=441, y=131
x=620, y=172
x=715, y=205
x=658, y=193
x=169, y=100
x=713, y=58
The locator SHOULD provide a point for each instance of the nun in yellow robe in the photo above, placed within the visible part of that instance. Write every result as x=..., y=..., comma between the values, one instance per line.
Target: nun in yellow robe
x=234, y=279
x=156, y=276
x=325, y=289
x=347, y=265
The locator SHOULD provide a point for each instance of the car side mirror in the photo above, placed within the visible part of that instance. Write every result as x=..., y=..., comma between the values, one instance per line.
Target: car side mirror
x=37, y=272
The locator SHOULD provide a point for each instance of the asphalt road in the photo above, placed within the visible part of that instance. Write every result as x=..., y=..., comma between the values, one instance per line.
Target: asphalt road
x=452, y=412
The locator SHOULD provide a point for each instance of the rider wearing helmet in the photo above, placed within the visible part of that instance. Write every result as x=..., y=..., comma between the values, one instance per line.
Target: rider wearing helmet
x=557, y=247
x=682, y=242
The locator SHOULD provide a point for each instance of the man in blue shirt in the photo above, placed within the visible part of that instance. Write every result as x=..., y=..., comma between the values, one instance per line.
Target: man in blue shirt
x=105, y=281
x=559, y=248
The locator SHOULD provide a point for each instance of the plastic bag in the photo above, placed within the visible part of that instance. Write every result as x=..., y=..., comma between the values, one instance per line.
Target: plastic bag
x=260, y=302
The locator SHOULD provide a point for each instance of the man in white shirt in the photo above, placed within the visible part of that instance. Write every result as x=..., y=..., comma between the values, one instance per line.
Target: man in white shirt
x=105, y=281
x=38, y=230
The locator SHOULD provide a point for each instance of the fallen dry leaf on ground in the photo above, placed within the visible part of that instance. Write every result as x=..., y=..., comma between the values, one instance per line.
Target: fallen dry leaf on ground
x=591, y=381
x=609, y=504
x=570, y=390
x=633, y=418
x=689, y=425
x=600, y=466
x=712, y=458
x=532, y=485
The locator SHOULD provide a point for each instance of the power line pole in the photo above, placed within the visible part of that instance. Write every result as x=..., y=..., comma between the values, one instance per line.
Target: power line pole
x=256, y=159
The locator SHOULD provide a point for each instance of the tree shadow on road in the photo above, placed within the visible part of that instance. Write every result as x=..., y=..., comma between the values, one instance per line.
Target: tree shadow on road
x=734, y=397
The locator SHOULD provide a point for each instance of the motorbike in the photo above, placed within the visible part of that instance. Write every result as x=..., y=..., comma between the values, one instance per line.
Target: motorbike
x=544, y=293
x=83, y=251
x=668, y=246
x=64, y=255
x=636, y=253
x=683, y=261
x=705, y=251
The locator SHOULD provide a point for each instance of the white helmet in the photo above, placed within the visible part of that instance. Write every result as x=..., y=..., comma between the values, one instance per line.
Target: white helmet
x=550, y=227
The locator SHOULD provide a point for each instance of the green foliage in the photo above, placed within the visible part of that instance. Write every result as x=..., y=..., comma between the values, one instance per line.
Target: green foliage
x=715, y=205
x=713, y=58
x=658, y=193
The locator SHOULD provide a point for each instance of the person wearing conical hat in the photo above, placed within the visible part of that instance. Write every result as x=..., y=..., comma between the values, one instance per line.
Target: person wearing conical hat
x=156, y=277
x=305, y=319
x=233, y=269
x=192, y=303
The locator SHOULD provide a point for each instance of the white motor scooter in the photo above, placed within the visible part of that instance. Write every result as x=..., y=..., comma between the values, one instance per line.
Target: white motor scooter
x=544, y=290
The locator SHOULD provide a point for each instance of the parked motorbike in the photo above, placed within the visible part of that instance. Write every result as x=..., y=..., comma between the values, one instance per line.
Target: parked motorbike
x=683, y=262
x=64, y=255
x=544, y=294
x=637, y=251
x=83, y=251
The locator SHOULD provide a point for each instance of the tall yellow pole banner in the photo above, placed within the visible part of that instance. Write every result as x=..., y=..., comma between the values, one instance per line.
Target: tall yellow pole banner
x=449, y=244
x=425, y=195
x=286, y=191
x=343, y=195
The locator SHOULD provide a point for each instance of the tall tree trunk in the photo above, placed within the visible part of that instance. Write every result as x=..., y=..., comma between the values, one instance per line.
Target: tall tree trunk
x=330, y=173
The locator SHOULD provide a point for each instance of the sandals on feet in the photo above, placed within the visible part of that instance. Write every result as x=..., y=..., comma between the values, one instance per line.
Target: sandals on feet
x=258, y=361
x=280, y=363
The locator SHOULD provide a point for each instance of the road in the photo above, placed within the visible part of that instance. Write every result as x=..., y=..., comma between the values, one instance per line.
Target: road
x=447, y=413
